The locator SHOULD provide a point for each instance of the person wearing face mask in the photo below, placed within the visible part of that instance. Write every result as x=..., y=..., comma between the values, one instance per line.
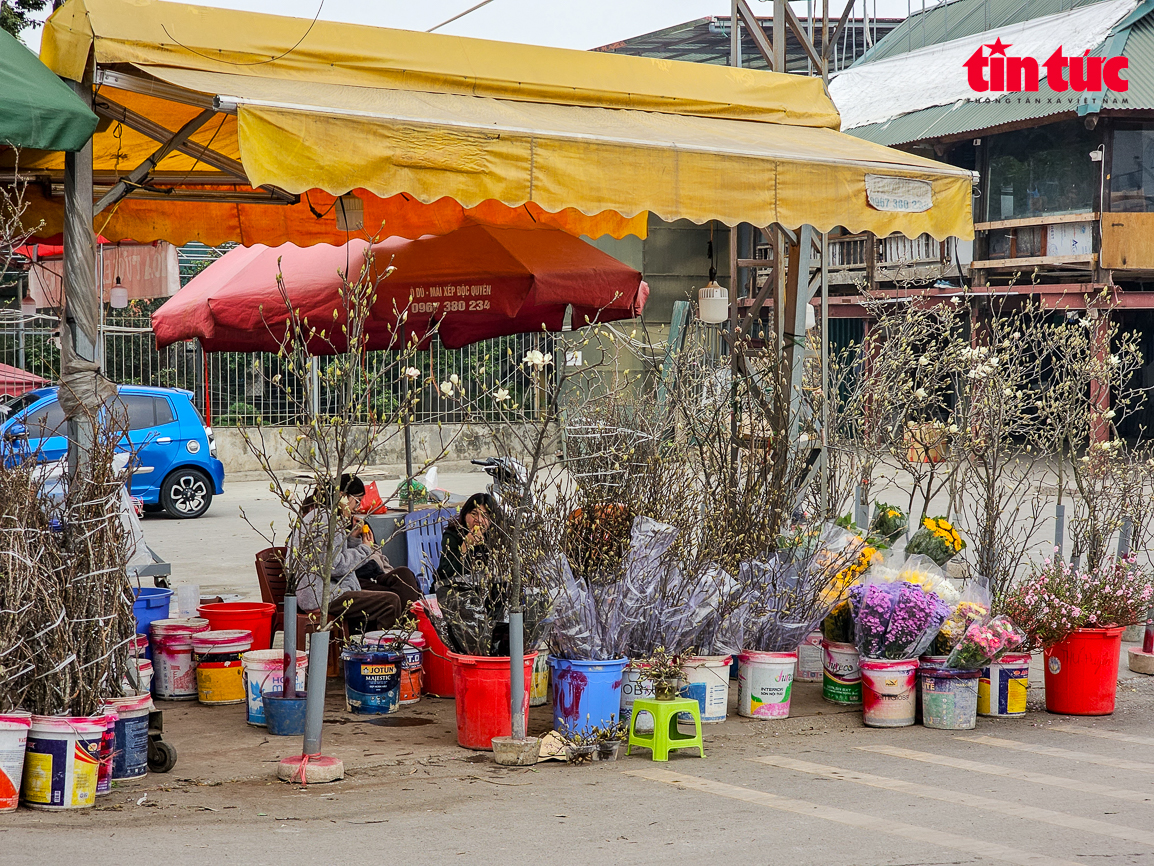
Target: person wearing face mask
x=365, y=591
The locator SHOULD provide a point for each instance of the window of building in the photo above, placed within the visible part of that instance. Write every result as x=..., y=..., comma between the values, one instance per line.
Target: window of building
x=1132, y=171
x=1046, y=170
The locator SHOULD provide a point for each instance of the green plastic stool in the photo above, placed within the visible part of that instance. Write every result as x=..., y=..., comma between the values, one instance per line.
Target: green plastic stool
x=665, y=734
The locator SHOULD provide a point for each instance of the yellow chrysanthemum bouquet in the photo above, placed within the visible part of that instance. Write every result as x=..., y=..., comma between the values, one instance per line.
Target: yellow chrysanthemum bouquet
x=937, y=539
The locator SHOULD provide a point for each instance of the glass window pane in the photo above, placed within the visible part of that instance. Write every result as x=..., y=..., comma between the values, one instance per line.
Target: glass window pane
x=163, y=411
x=1132, y=171
x=46, y=421
x=1045, y=170
x=138, y=408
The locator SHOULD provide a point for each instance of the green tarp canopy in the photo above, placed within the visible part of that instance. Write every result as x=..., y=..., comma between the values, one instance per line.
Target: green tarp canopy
x=37, y=109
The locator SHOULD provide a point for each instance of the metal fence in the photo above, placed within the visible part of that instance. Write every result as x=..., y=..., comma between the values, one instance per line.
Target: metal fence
x=245, y=388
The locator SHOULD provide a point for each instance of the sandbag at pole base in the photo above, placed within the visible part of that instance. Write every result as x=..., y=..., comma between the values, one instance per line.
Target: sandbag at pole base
x=311, y=765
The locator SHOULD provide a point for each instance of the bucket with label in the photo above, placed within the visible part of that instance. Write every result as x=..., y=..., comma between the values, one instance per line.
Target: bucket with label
x=372, y=681
x=1081, y=672
x=586, y=694
x=888, y=692
x=841, y=673
x=539, y=689
x=139, y=677
x=13, y=740
x=764, y=684
x=1003, y=686
x=810, y=659
x=706, y=680
x=174, y=672
x=138, y=646
x=925, y=663
x=412, y=663
x=949, y=699
x=634, y=684
x=107, y=752
x=216, y=655
x=263, y=670
x=130, y=736
x=62, y=761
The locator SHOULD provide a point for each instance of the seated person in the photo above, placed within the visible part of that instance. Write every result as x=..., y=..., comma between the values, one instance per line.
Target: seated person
x=366, y=590
x=465, y=542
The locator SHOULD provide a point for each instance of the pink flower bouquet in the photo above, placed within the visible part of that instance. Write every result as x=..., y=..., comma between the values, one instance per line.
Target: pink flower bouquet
x=984, y=642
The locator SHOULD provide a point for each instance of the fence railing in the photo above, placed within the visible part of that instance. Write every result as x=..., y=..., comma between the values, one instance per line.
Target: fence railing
x=245, y=388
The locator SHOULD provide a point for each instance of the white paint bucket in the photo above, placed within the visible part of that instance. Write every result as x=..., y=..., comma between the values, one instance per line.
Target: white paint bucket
x=263, y=670
x=634, y=684
x=174, y=668
x=841, y=678
x=706, y=679
x=139, y=675
x=765, y=684
x=13, y=739
x=62, y=761
x=809, y=659
x=1003, y=687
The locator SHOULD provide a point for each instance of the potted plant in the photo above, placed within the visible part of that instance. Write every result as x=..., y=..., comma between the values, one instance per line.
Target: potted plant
x=663, y=669
x=609, y=739
x=1076, y=617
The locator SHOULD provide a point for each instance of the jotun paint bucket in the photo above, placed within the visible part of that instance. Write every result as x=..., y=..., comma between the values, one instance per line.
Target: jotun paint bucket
x=949, y=699
x=764, y=684
x=706, y=680
x=412, y=659
x=216, y=655
x=263, y=670
x=130, y=736
x=62, y=761
x=586, y=694
x=841, y=675
x=13, y=740
x=1003, y=686
x=888, y=692
x=174, y=672
x=372, y=681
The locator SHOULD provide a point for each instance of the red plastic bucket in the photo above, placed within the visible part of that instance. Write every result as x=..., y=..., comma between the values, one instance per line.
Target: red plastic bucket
x=1082, y=672
x=438, y=666
x=484, y=698
x=254, y=616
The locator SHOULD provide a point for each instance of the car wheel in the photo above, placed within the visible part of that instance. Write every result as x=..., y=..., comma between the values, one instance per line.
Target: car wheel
x=186, y=493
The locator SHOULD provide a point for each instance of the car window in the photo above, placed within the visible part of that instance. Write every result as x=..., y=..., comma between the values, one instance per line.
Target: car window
x=163, y=411
x=140, y=411
x=47, y=420
x=14, y=405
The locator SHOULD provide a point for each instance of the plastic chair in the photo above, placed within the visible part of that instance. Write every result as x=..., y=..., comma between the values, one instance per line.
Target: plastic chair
x=666, y=737
x=423, y=531
x=270, y=575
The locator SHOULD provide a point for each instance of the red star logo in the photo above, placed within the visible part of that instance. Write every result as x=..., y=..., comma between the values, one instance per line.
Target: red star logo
x=998, y=47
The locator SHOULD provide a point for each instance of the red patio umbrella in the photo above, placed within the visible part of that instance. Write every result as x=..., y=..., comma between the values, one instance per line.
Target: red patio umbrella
x=472, y=284
x=14, y=381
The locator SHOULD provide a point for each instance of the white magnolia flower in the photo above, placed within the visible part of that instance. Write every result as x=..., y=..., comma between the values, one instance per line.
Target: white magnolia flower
x=500, y=395
x=534, y=358
x=1009, y=392
x=1085, y=323
x=412, y=373
x=955, y=300
x=1114, y=360
x=455, y=379
x=1109, y=413
x=447, y=389
x=921, y=393
x=924, y=362
x=953, y=428
x=804, y=437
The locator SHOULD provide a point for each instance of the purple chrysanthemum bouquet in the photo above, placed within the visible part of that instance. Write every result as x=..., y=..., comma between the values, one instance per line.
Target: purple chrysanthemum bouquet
x=896, y=620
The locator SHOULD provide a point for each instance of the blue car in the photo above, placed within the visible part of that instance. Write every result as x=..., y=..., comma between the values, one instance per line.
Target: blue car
x=175, y=466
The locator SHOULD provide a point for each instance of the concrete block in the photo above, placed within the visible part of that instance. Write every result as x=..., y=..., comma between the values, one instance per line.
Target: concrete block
x=1141, y=662
x=320, y=768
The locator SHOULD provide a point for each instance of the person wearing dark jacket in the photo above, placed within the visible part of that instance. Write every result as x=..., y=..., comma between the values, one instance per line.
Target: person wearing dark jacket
x=465, y=541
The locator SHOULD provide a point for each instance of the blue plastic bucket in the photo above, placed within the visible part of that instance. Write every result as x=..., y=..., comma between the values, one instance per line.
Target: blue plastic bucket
x=285, y=716
x=130, y=741
x=372, y=681
x=586, y=694
x=152, y=603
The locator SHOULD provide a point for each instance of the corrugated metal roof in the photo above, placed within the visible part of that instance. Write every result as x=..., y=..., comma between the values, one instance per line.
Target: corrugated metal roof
x=957, y=18
x=974, y=116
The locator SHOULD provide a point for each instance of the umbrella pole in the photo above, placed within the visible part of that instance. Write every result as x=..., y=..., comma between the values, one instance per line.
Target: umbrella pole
x=517, y=672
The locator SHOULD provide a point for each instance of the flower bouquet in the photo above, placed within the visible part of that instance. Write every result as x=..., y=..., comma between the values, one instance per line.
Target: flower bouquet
x=837, y=627
x=936, y=539
x=984, y=642
x=888, y=522
x=953, y=629
x=895, y=620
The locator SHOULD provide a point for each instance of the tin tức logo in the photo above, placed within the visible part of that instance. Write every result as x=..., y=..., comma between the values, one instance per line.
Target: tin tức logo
x=991, y=70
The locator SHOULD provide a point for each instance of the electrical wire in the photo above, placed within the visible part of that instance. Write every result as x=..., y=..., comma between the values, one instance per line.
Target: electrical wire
x=460, y=15
x=312, y=24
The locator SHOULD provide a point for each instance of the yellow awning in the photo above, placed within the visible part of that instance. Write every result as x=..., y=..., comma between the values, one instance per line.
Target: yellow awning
x=593, y=140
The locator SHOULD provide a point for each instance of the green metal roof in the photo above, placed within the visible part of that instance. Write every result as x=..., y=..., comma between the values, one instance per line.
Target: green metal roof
x=1133, y=38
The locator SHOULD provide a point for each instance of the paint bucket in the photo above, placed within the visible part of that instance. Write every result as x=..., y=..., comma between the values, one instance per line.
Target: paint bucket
x=1082, y=672
x=1003, y=686
x=586, y=694
x=62, y=761
x=107, y=753
x=130, y=736
x=706, y=680
x=412, y=663
x=216, y=655
x=810, y=659
x=539, y=690
x=925, y=663
x=254, y=616
x=175, y=673
x=484, y=698
x=888, y=692
x=13, y=740
x=841, y=673
x=635, y=685
x=152, y=603
x=138, y=646
x=372, y=681
x=764, y=684
x=140, y=675
x=263, y=670
x=438, y=666
x=949, y=698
